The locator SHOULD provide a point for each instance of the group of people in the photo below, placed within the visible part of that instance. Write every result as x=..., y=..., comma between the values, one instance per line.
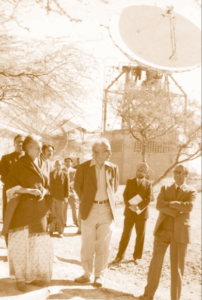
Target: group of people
x=36, y=202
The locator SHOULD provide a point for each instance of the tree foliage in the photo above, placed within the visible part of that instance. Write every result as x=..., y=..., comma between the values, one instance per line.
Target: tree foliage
x=153, y=115
x=46, y=77
x=42, y=82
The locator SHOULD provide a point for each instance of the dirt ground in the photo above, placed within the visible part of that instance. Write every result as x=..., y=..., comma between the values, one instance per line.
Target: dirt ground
x=125, y=281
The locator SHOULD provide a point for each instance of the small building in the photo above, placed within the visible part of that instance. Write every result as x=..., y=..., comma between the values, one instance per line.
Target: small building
x=126, y=153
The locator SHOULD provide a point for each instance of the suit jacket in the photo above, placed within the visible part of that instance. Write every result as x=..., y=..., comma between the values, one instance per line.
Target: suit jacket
x=6, y=164
x=59, y=185
x=179, y=208
x=144, y=189
x=85, y=185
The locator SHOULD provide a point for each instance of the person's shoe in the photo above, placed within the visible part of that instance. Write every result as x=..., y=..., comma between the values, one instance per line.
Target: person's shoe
x=82, y=279
x=136, y=261
x=98, y=281
x=146, y=297
x=21, y=286
x=116, y=261
x=39, y=283
x=79, y=231
x=60, y=235
x=76, y=224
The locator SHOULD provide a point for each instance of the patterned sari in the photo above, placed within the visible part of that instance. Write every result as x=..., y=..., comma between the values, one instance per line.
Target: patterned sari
x=30, y=251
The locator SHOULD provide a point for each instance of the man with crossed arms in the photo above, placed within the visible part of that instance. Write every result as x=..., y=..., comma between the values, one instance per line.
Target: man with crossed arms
x=95, y=183
x=175, y=202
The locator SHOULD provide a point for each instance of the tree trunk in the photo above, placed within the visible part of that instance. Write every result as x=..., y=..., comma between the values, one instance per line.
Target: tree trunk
x=144, y=147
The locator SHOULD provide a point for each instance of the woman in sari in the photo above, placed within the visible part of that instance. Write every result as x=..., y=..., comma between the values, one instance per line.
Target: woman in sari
x=30, y=251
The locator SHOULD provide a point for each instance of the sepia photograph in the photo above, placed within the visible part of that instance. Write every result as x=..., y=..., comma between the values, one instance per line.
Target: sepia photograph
x=100, y=149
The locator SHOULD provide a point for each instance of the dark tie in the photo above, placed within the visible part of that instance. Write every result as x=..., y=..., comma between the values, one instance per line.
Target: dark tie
x=177, y=191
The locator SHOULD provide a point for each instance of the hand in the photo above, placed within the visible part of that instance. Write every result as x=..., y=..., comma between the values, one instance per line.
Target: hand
x=35, y=192
x=66, y=200
x=72, y=184
x=43, y=193
x=133, y=207
x=174, y=202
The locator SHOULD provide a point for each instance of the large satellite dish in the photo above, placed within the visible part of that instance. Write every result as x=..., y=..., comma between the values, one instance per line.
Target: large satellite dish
x=157, y=39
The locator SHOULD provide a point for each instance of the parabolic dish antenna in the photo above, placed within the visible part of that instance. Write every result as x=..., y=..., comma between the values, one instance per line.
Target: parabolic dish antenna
x=157, y=38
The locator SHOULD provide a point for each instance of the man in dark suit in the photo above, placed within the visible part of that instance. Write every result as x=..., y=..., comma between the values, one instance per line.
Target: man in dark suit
x=175, y=202
x=6, y=164
x=72, y=195
x=96, y=182
x=59, y=189
x=135, y=214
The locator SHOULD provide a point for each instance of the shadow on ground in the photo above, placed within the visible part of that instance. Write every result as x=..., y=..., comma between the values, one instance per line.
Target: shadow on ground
x=69, y=261
x=8, y=288
x=94, y=293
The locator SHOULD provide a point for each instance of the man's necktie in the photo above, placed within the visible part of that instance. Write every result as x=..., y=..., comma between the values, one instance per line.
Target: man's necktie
x=177, y=192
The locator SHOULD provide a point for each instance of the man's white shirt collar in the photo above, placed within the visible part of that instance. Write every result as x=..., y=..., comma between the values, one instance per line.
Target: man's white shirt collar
x=93, y=163
x=180, y=186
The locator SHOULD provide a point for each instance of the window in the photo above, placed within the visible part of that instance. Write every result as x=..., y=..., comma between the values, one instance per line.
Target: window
x=153, y=147
x=137, y=147
x=117, y=146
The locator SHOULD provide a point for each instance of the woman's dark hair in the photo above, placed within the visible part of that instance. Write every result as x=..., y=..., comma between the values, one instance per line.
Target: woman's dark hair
x=18, y=136
x=30, y=139
x=45, y=146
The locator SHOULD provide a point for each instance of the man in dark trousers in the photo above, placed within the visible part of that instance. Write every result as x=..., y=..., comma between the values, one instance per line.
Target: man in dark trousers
x=72, y=196
x=59, y=189
x=175, y=202
x=135, y=214
x=6, y=164
x=78, y=161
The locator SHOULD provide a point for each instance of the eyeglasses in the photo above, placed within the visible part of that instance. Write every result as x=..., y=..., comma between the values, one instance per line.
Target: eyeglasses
x=102, y=152
x=178, y=173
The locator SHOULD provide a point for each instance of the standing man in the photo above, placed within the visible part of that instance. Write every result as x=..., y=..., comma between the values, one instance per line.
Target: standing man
x=43, y=162
x=79, y=213
x=59, y=189
x=72, y=195
x=135, y=214
x=96, y=182
x=6, y=164
x=175, y=202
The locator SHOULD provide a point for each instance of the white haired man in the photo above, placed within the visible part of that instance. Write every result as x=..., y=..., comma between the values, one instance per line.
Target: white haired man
x=96, y=182
x=174, y=202
x=136, y=214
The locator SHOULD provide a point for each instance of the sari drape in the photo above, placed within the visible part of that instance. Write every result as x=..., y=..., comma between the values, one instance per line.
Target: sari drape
x=30, y=251
x=25, y=209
